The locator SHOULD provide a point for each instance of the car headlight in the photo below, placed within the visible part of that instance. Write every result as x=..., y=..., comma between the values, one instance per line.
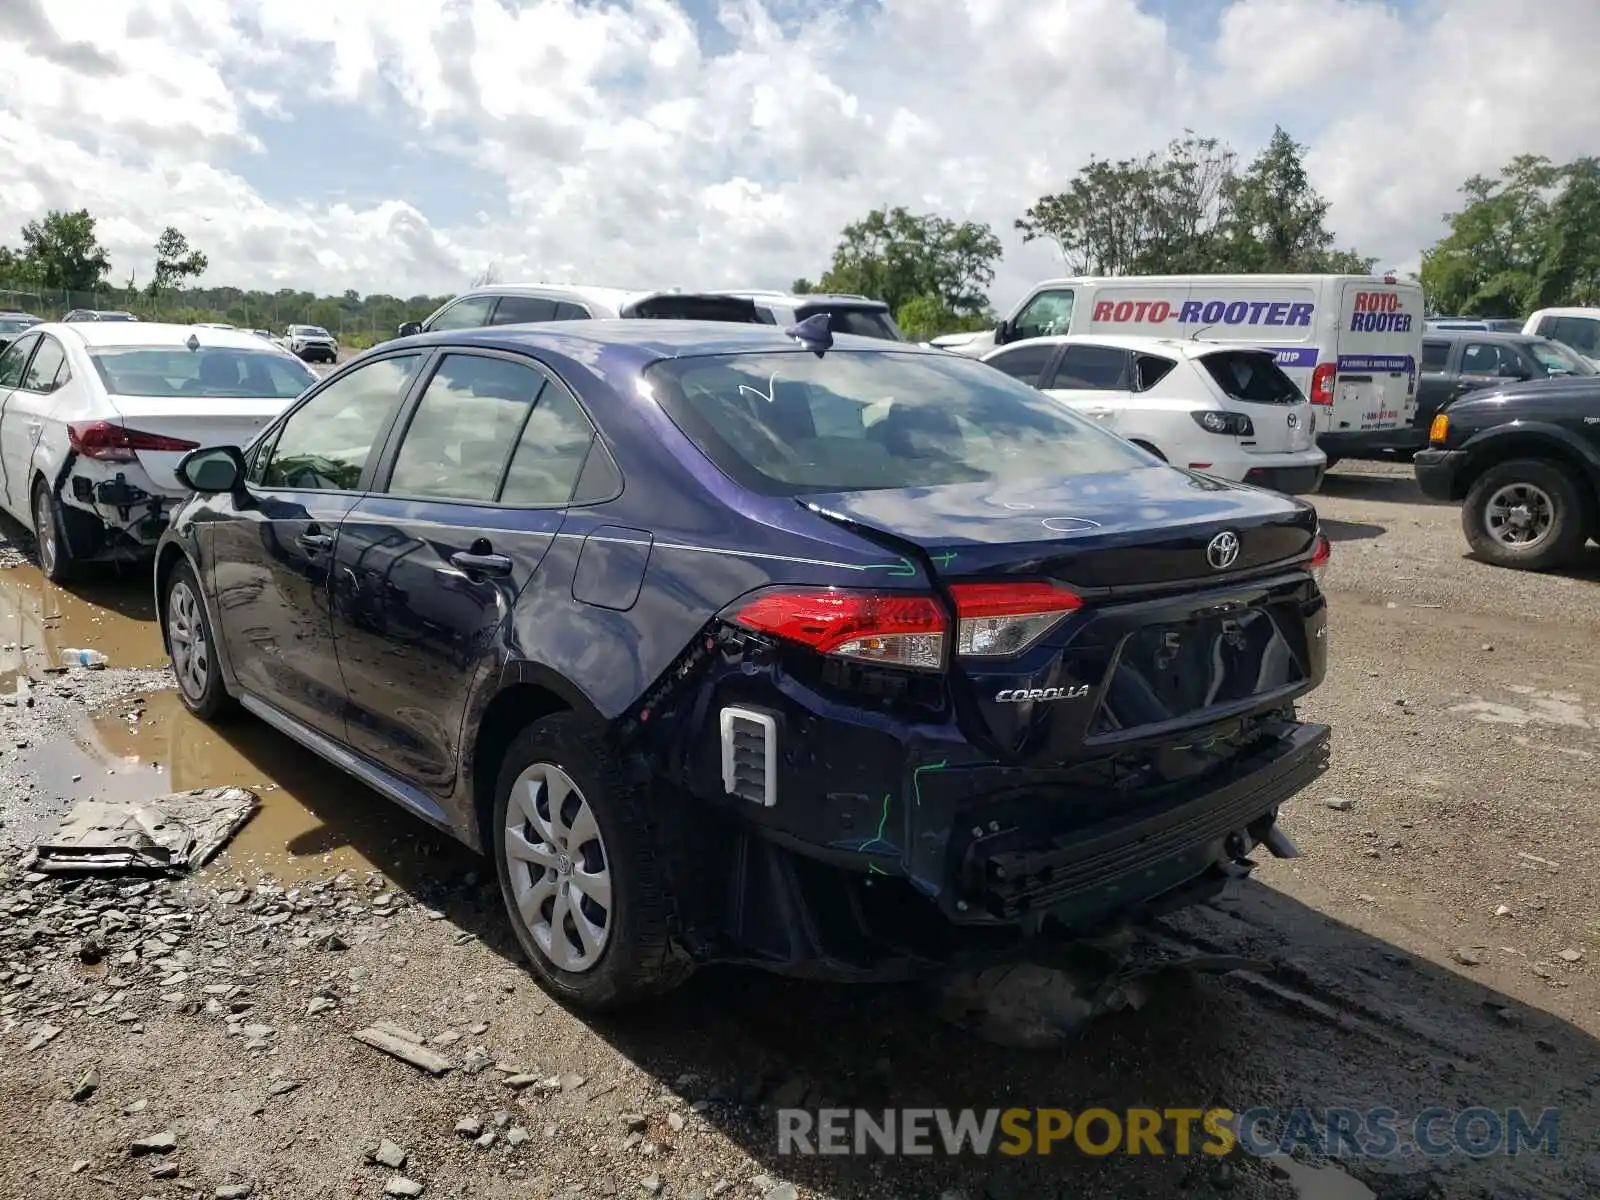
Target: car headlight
x=1228, y=423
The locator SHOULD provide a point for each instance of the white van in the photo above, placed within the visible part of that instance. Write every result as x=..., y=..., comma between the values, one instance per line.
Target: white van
x=1350, y=342
x=1578, y=328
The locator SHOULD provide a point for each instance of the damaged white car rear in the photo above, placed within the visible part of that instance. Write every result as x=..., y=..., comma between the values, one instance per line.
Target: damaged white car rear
x=95, y=416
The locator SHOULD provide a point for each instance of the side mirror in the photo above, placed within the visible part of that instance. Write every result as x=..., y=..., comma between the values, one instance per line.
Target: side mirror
x=212, y=470
x=1002, y=333
x=410, y=328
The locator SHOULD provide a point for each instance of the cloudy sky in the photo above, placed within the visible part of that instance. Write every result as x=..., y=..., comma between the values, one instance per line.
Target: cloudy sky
x=404, y=145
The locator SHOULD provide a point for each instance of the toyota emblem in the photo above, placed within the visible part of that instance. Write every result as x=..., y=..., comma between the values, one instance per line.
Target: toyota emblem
x=1294, y=420
x=1222, y=550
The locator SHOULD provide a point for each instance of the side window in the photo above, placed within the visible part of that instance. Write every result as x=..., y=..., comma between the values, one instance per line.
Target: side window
x=1046, y=314
x=550, y=452
x=514, y=310
x=1093, y=368
x=471, y=313
x=324, y=444
x=1149, y=370
x=41, y=373
x=570, y=312
x=1026, y=364
x=1484, y=358
x=1435, y=356
x=15, y=358
x=462, y=431
x=1581, y=333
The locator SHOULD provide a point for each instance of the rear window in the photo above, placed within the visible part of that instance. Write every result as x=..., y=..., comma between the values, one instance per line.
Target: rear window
x=694, y=308
x=863, y=322
x=1252, y=376
x=1581, y=333
x=15, y=324
x=788, y=424
x=222, y=372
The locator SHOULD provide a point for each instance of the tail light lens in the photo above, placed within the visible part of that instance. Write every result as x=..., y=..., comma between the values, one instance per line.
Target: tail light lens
x=1322, y=381
x=906, y=629
x=1320, y=557
x=108, y=442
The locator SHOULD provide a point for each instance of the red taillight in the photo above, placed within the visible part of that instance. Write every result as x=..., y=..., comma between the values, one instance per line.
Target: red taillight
x=896, y=629
x=1322, y=380
x=996, y=619
x=906, y=629
x=1320, y=557
x=108, y=442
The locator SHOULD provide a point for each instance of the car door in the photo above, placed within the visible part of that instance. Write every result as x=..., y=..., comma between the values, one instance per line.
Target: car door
x=1484, y=364
x=28, y=412
x=471, y=494
x=1096, y=381
x=1028, y=363
x=1436, y=382
x=272, y=551
x=15, y=447
x=469, y=312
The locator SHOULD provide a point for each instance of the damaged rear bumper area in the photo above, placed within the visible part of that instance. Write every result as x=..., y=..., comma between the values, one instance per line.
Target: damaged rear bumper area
x=974, y=862
x=112, y=512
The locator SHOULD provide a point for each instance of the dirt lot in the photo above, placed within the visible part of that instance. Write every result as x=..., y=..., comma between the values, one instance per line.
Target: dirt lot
x=1435, y=946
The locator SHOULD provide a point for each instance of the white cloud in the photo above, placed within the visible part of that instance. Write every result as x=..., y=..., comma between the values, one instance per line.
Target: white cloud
x=623, y=143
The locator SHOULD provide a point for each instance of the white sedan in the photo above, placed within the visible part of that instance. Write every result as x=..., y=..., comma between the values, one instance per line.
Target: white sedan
x=1215, y=407
x=95, y=416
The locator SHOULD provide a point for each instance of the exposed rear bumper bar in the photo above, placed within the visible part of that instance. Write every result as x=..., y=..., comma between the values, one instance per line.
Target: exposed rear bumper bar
x=1090, y=873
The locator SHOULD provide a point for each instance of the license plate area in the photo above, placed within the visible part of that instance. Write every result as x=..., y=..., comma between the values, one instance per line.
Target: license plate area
x=1179, y=670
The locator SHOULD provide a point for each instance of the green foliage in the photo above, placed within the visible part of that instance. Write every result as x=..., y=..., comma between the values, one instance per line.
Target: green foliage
x=60, y=250
x=924, y=317
x=1527, y=240
x=1189, y=210
x=175, y=261
x=895, y=256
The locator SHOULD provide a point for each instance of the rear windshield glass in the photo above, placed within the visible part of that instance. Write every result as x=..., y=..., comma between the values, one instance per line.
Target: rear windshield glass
x=16, y=324
x=694, y=308
x=788, y=424
x=1556, y=359
x=173, y=371
x=1252, y=376
x=863, y=322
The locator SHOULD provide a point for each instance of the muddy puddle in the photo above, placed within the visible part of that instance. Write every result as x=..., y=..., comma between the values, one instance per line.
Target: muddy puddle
x=313, y=819
x=39, y=622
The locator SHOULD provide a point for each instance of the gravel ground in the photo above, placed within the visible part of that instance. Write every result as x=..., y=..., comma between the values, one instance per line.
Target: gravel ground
x=1435, y=945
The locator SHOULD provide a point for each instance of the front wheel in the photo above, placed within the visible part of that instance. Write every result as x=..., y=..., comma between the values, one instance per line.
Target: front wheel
x=1530, y=514
x=191, y=646
x=584, y=869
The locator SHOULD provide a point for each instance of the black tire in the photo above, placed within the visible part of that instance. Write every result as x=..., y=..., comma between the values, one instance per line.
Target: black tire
x=639, y=959
x=200, y=684
x=1560, y=501
x=55, y=548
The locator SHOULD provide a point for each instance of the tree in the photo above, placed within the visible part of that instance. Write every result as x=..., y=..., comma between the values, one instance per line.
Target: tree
x=175, y=261
x=1569, y=268
x=1188, y=210
x=60, y=251
x=924, y=317
x=1489, y=263
x=895, y=255
x=1277, y=223
x=802, y=287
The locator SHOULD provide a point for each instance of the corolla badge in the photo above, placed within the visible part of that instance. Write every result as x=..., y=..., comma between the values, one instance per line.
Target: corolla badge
x=1029, y=695
x=1222, y=550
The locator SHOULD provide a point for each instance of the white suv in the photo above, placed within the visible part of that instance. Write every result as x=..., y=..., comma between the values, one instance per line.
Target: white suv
x=1216, y=407
x=508, y=304
x=848, y=312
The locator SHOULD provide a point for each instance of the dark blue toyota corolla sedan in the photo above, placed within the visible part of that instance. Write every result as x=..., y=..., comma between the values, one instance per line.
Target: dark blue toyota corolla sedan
x=732, y=643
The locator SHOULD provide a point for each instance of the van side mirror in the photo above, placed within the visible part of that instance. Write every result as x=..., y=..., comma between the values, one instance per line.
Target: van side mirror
x=212, y=470
x=410, y=328
x=1002, y=333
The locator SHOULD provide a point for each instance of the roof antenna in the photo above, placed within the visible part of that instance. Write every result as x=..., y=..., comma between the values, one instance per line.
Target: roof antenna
x=813, y=333
x=193, y=342
x=1195, y=336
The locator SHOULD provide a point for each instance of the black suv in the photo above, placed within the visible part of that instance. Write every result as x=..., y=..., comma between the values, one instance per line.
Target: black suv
x=1525, y=458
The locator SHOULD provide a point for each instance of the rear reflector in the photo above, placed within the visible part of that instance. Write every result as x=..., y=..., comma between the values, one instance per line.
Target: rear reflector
x=906, y=629
x=108, y=442
x=1320, y=557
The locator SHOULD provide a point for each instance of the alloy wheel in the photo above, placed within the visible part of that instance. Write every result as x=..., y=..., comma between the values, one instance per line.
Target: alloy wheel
x=559, y=869
x=186, y=640
x=44, y=530
x=1519, y=515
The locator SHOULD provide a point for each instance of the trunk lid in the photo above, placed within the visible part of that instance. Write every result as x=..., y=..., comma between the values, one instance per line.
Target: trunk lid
x=207, y=421
x=1172, y=633
x=1251, y=382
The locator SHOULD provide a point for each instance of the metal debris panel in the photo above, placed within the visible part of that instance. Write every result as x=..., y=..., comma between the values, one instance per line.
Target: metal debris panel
x=174, y=833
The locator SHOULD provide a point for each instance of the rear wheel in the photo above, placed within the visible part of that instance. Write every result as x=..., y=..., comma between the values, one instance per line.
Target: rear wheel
x=57, y=561
x=1530, y=513
x=583, y=869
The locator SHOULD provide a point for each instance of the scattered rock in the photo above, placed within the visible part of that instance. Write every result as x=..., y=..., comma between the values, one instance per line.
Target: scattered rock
x=42, y=1036
x=282, y=1087
x=79, y=1167
x=164, y=1142
x=166, y=1170
x=387, y=1154
x=1502, y=910
x=1570, y=956
x=401, y=1186
x=516, y=1135
x=520, y=1080
x=783, y=1191
x=469, y=1127
x=1338, y=804
x=675, y=1122
x=87, y=1086
x=633, y=1122
x=651, y=1185
x=1470, y=956
x=402, y=1044
x=234, y=1191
